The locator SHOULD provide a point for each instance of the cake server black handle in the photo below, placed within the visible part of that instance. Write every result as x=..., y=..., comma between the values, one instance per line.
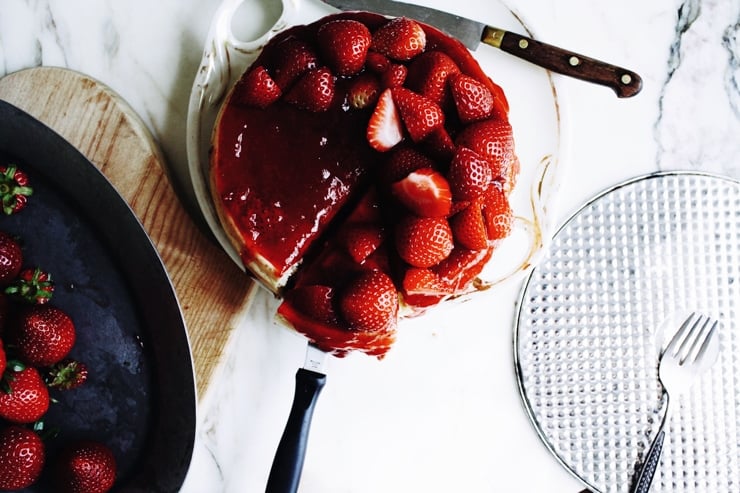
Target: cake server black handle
x=291, y=452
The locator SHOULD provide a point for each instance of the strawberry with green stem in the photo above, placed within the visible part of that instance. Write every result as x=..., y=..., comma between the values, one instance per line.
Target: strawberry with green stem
x=24, y=397
x=33, y=286
x=14, y=189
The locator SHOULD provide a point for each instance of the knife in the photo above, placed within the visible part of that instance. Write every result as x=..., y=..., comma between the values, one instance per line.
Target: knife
x=287, y=465
x=471, y=33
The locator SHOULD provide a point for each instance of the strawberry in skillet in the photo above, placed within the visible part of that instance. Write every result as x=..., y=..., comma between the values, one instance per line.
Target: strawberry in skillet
x=85, y=467
x=400, y=39
x=66, y=375
x=14, y=189
x=344, y=44
x=11, y=258
x=3, y=359
x=22, y=457
x=370, y=302
x=24, y=397
x=425, y=192
x=33, y=286
x=42, y=334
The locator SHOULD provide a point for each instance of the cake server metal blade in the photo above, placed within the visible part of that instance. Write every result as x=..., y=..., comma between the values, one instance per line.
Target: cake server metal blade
x=287, y=466
x=625, y=83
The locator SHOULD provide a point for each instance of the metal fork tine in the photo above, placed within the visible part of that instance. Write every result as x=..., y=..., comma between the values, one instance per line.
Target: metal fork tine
x=674, y=345
x=689, y=342
x=707, y=339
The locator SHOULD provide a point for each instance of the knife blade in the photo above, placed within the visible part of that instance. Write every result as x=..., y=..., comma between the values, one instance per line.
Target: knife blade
x=624, y=82
x=287, y=465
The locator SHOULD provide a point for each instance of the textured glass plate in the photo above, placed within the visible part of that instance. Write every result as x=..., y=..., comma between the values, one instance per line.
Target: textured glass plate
x=594, y=314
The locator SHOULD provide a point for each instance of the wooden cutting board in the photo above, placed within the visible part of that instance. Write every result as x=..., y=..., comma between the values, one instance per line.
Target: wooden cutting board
x=213, y=292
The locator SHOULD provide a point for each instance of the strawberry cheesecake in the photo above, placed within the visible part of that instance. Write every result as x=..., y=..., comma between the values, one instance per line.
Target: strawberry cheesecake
x=362, y=167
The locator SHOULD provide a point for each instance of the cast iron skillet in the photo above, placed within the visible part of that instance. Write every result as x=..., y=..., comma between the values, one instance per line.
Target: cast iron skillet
x=140, y=396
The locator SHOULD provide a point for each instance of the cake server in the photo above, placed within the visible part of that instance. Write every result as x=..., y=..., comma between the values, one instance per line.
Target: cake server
x=471, y=33
x=287, y=466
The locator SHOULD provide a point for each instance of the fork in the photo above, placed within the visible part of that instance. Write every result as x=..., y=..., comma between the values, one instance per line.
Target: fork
x=687, y=355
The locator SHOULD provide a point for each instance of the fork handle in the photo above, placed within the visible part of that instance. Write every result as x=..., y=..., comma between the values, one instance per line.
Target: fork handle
x=647, y=472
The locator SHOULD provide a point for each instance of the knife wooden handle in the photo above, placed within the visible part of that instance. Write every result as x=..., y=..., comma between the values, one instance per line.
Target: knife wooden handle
x=288, y=462
x=624, y=82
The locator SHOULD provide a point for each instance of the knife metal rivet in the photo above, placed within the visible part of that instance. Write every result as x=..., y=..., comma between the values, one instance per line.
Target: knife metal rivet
x=574, y=61
x=626, y=79
x=523, y=43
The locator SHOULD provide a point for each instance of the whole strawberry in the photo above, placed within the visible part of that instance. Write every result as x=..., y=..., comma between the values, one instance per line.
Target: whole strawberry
x=42, y=334
x=67, y=374
x=24, y=397
x=85, y=467
x=33, y=286
x=11, y=258
x=14, y=189
x=22, y=457
x=370, y=302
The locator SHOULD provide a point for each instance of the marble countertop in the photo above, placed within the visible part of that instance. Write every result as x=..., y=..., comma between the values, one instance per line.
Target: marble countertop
x=687, y=117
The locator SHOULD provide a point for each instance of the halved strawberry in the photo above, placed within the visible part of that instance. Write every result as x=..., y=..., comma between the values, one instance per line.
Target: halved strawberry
x=24, y=397
x=497, y=213
x=425, y=192
x=313, y=91
x=473, y=99
x=363, y=91
x=362, y=240
x=400, y=39
x=316, y=301
x=402, y=161
x=14, y=189
x=462, y=266
x=394, y=76
x=492, y=139
x=420, y=115
x=384, y=129
x=258, y=88
x=370, y=302
x=423, y=241
x=470, y=175
x=469, y=228
x=292, y=57
x=428, y=76
x=344, y=44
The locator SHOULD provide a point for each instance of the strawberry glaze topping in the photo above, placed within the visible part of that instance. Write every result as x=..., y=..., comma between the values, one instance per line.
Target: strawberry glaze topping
x=377, y=155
